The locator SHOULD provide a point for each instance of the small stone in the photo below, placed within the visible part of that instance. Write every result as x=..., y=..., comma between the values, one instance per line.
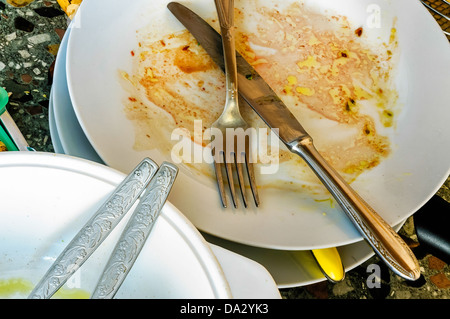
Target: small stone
x=342, y=288
x=319, y=290
x=48, y=12
x=2, y=66
x=39, y=38
x=408, y=227
x=50, y=73
x=11, y=36
x=26, y=78
x=402, y=295
x=23, y=24
x=60, y=33
x=19, y=3
x=53, y=49
x=24, y=54
x=34, y=110
x=435, y=263
x=441, y=281
x=410, y=242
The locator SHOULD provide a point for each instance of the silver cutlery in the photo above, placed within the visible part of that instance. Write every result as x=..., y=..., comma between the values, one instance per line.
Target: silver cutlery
x=441, y=8
x=264, y=101
x=227, y=149
x=136, y=232
x=95, y=231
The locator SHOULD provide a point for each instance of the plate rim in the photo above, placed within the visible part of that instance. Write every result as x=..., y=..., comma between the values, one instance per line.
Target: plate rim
x=342, y=242
x=171, y=215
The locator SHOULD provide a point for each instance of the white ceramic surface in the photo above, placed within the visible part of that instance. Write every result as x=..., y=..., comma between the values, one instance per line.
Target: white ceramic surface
x=396, y=188
x=72, y=138
x=251, y=280
x=246, y=278
x=56, y=141
x=287, y=268
x=48, y=197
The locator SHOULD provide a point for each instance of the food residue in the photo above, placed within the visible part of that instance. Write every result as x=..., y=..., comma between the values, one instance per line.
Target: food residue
x=332, y=79
x=21, y=288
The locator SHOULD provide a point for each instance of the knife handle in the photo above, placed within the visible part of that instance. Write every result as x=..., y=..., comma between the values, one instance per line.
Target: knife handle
x=383, y=239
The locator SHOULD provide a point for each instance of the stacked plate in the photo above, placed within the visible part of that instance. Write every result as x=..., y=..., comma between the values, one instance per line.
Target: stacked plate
x=87, y=120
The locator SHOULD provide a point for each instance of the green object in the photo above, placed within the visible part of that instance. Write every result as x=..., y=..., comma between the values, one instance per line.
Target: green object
x=4, y=98
x=4, y=136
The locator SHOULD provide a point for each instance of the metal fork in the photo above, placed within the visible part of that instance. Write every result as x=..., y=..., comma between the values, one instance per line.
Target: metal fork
x=441, y=12
x=230, y=138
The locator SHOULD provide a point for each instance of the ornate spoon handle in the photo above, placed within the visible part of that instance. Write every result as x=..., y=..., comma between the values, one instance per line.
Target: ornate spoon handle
x=95, y=230
x=136, y=232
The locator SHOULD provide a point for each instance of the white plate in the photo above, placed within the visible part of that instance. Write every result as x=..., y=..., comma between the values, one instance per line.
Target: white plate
x=56, y=141
x=250, y=280
x=62, y=193
x=246, y=278
x=72, y=138
x=396, y=188
x=287, y=268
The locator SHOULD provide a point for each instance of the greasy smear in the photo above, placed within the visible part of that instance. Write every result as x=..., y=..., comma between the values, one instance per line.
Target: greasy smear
x=21, y=288
x=331, y=79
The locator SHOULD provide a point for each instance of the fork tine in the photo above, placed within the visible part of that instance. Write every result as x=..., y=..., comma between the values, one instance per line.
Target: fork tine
x=240, y=160
x=252, y=180
x=219, y=177
x=229, y=170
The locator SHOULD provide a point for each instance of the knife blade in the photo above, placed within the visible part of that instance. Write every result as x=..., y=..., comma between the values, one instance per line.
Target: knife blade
x=265, y=102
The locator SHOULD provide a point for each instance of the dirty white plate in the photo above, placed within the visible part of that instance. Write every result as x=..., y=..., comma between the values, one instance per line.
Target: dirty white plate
x=251, y=280
x=47, y=198
x=287, y=268
x=396, y=188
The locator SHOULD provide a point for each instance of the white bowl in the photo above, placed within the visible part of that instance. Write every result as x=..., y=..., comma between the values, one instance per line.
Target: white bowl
x=46, y=198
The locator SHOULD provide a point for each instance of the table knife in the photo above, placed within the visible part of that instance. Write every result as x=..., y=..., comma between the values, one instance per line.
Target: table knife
x=264, y=101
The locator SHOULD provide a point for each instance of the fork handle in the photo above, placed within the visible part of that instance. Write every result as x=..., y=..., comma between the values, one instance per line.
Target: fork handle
x=383, y=239
x=225, y=13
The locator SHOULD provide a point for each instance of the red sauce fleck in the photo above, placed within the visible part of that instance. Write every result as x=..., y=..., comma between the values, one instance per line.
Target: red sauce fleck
x=359, y=32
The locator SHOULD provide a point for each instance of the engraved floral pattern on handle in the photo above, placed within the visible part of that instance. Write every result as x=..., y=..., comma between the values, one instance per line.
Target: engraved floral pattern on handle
x=96, y=230
x=136, y=232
